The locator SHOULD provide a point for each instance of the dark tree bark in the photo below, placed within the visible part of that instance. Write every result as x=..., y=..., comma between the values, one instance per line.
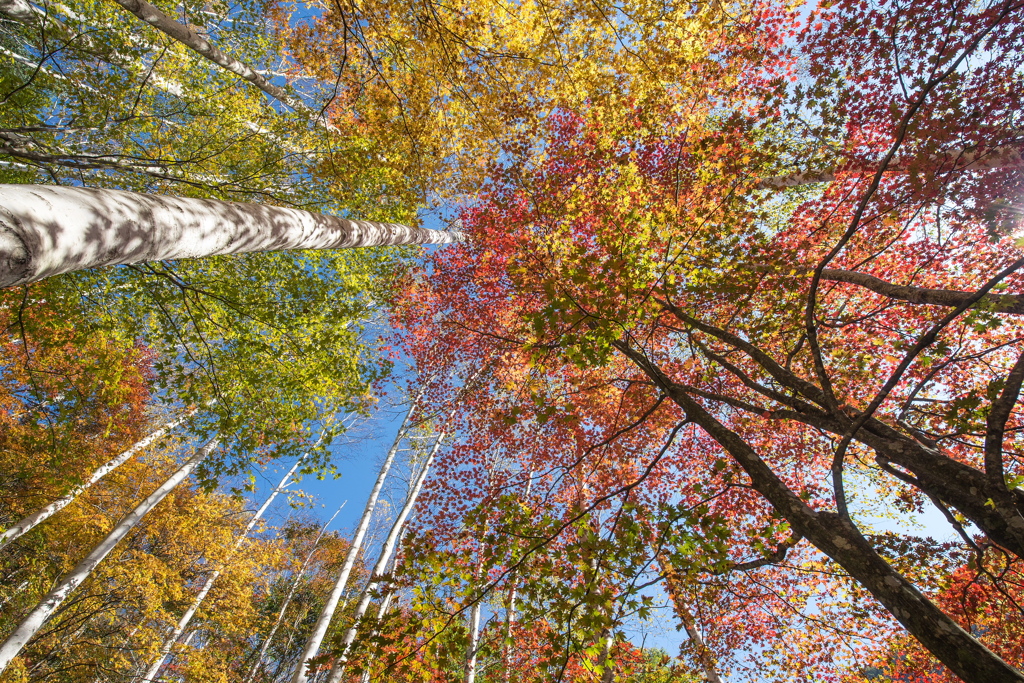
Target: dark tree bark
x=840, y=540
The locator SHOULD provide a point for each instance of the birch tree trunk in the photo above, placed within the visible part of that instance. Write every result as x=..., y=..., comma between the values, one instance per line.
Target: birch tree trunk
x=186, y=618
x=47, y=230
x=510, y=619
x=704, y=654
x=28, y=523
x=707, y=661
x=385, y=605
x=474, y=626
x=327, y=613
x=251, y=675
x=45, y=609
x=338, y=670
x=17, y=10
x=195, y=42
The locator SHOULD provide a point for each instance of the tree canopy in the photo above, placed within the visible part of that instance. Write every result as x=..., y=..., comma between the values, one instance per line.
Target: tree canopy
x=739, y=303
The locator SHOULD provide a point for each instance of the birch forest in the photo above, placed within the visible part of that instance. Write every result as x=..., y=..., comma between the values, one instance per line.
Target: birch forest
x=525, y=341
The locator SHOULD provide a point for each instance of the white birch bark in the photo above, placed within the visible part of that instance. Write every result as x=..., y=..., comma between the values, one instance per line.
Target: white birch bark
x=35, y=620
x=26, y=524
x=385, y=605
x=609, y=667
x=704, y=655
x=338, y=670
x=510, y=623
x=474, y=627
x=327, y=613
x=186, y=618
x=251, y=675
x=47, y=230
x=195, y=42
x=511, y=613
x=17, y=10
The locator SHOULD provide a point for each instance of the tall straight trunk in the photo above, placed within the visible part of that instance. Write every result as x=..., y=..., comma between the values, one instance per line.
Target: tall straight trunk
x=385, y=605
x=46, y=230
x=195, y=42
x=324, y=620
x=606, y=655
x=186, y=618
x=45, y=609
x=704, y=654
x=510, y=619
x=288, y=598
x=338, y=670
x=28, y=523
x=474, y=626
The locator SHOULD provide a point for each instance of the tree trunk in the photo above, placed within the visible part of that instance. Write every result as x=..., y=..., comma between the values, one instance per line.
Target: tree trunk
x=17, y=10
x=608, y=676
x=338, y=670
x=474, y=625
x=510, y=619
x=181, y=33
x=837, y=538
x=704, y=654
x=186, y=618
x=46, y=230
x=324, y=621
x=34, y=621
x=251, y=676
x=26, y=524
x=385, y=605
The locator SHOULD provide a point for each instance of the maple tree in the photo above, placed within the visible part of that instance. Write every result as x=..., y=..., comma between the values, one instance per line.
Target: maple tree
x=826, y=351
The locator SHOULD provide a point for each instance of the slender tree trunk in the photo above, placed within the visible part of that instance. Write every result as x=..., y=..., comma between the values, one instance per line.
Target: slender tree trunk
x=324, y=621
x=34, y=621
x=510, y=619
x=510, y=622
x=338, y=670
x=385, y=605
x=26, y=524
x=606, y=655
x=184, y=35
x=251, y=676
x=47, y=230
x=474, y=626
x=291, y=637
x=186, y=618
x=704, y=654
x=17, y=10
